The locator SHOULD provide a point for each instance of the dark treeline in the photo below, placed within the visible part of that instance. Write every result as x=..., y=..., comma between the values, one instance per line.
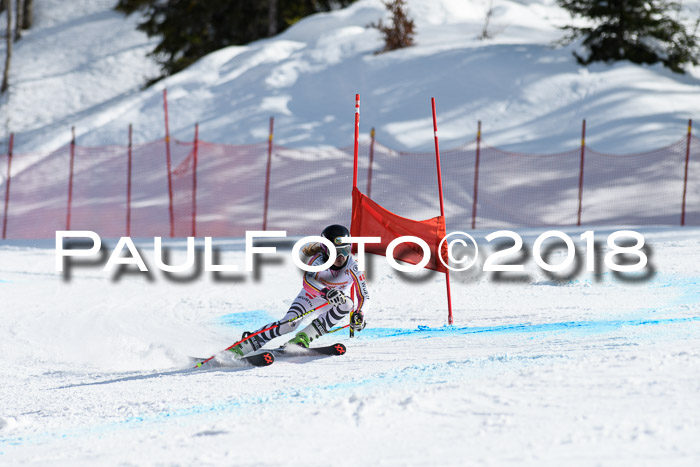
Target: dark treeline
x=190, y=29
x=641, y=31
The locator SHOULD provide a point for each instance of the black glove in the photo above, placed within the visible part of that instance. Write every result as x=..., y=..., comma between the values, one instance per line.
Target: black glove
x=335, y=297
x=357, y=321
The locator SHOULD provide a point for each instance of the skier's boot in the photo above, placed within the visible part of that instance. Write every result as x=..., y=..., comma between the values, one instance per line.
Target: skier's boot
x=250, y=344
x=301, y=339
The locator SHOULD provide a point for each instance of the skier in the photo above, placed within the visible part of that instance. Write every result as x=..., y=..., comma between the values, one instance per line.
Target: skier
x=332, y=286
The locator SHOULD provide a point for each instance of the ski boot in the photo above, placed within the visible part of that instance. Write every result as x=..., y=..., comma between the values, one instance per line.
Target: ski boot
x=247, y=346
x=301, y=339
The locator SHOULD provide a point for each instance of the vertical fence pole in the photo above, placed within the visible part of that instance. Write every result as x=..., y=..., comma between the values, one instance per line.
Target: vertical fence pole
x=580, y=173
x=7, y=186
x=70, y=179
x=685, y=178
x=267, y=171
x=194, y=180
x=442, y=208
x=168, y=164
x=371, y=163
x=128, y=185
x=476, y=173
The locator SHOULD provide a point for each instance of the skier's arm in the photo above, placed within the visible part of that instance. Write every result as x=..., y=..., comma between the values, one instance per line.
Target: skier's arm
x=360, y=288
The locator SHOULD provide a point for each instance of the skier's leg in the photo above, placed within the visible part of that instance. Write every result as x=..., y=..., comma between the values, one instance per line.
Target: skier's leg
x=302, y=303
x=322, y=324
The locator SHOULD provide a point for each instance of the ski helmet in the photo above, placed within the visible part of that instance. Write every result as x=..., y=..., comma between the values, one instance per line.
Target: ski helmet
x=334, y=233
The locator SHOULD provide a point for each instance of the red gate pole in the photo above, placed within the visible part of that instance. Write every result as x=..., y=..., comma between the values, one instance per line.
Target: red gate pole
x=194, y=180
x=7, y=186
x=267, y=172
x=476, y=173
x=442, y=208
x=70, y=179
x=685, y=178
x=128, y=185
x=580, y=174
x=357, y=141
x=354, y=165
x=371, y=163
x=168, y=164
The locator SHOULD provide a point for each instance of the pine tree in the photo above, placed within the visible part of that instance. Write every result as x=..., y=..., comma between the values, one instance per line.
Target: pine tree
x=190, y=29
x=641, y=31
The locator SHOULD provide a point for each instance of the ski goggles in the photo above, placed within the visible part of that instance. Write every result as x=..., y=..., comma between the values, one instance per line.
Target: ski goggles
x=340, y=250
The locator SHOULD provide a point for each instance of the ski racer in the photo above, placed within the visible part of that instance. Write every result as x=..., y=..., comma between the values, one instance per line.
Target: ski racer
x=332, y=286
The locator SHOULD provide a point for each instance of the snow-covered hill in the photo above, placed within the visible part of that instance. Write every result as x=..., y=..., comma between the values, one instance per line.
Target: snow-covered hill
x=83, y=64
x=570, y=368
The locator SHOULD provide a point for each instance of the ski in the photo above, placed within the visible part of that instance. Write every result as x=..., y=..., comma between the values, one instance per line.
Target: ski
x=298, y=351
x=259, y=359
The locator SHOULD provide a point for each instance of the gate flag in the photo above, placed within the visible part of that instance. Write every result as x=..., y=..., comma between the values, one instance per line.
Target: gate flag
x=369, y=219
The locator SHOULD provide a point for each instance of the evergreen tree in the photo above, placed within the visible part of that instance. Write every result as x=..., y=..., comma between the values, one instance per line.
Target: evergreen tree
x=189, y=29
x=641, y=31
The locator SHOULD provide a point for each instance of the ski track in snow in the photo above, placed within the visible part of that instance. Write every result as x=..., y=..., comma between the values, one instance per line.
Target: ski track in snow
x=594, y=383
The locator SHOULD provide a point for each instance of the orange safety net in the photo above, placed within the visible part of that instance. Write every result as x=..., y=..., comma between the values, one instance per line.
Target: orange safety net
x=223, y=194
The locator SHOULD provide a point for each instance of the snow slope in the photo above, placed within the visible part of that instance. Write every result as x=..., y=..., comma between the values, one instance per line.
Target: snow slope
x=588, y=370
x=79, y=59
x=530, y=96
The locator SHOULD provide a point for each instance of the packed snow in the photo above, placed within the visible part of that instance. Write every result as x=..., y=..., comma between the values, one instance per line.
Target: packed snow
x=572, y=368
x=536, y=370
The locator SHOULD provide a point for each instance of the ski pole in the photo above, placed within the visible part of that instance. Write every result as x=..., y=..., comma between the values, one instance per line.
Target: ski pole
x=338, y=329
x=260, y=332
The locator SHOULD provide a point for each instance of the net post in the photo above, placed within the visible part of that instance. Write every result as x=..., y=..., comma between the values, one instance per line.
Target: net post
x=7, y=186
x=442, y=207
x=580, y=174
x=168, y=165
x=194, y=179
x=70, y=179
x=128, y=181
x=685, y=177
x=476, y=173
x=371, y=163
x=267, y=172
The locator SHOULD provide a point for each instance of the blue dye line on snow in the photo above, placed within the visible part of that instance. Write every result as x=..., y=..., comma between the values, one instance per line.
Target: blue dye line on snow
x=247, y=319
x=257, y=318
x=586, y=327
x=689, y=287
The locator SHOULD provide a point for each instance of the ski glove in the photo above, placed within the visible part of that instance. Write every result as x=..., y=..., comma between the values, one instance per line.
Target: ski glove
x=336, y=297
x=357, y=321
